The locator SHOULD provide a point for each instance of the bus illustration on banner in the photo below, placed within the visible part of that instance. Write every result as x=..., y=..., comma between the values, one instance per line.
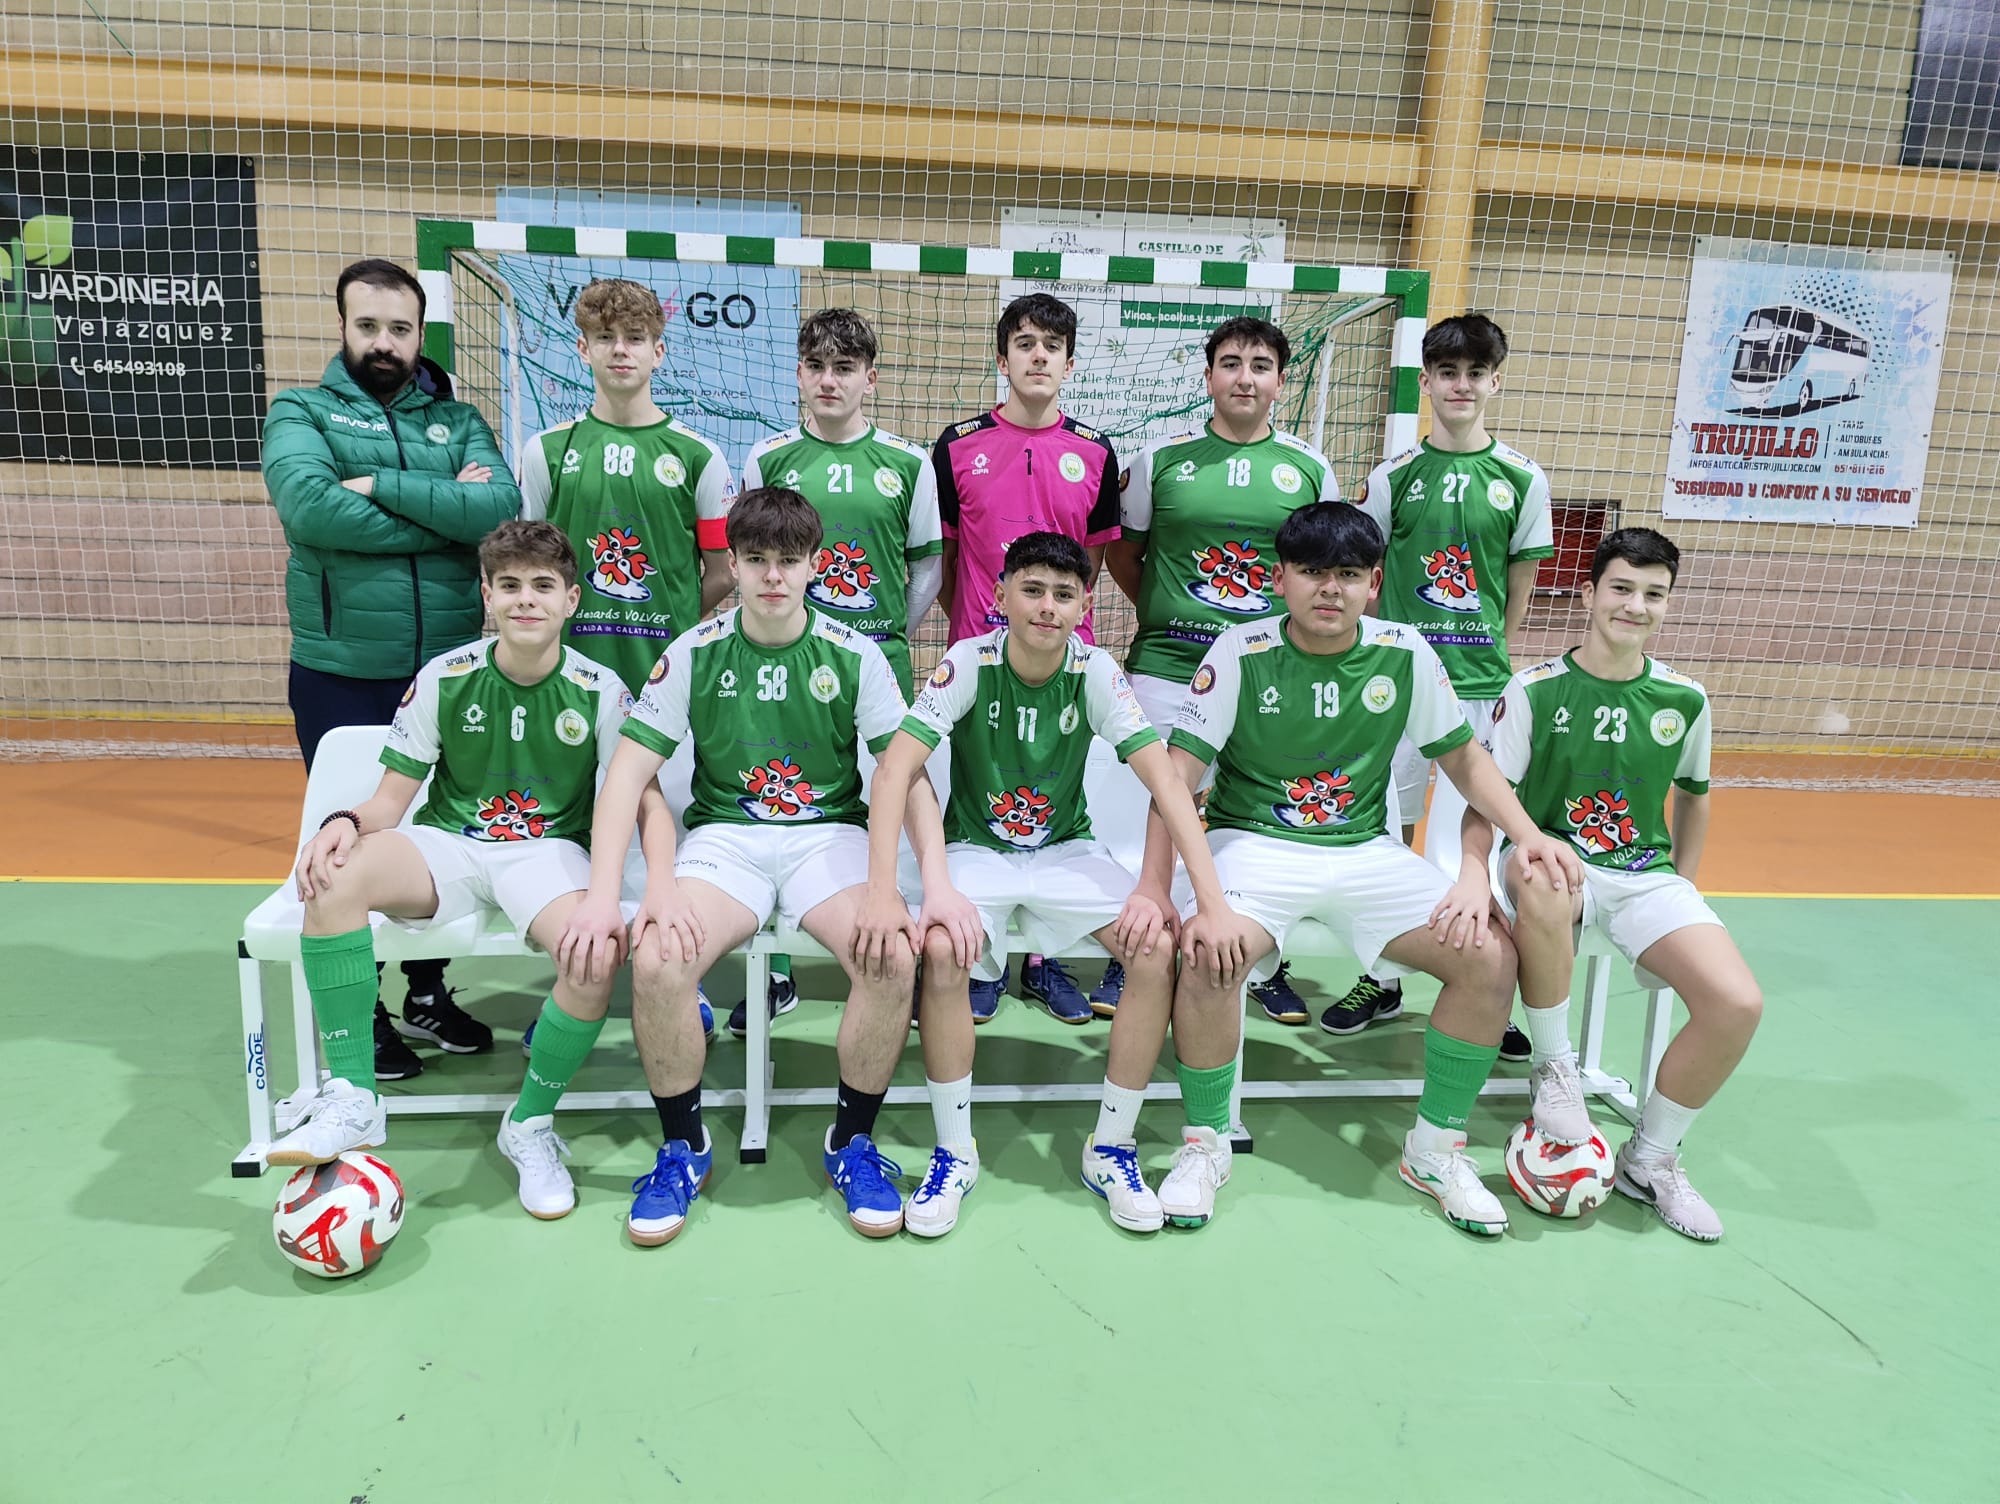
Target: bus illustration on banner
x=1790, y=358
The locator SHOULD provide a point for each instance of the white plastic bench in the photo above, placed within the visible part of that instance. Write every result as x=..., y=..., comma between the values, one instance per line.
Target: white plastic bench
x=347, y=770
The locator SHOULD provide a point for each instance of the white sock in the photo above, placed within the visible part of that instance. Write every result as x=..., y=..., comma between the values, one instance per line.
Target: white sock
x=1428, y=1138
x=1118, y=1117
x=1663, y=1123
x=951, y=1112
x=1548, y=1032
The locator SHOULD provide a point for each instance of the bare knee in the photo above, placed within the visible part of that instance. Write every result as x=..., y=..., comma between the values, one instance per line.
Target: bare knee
x=939, y=956
x=656, y=977
x=1738, y=1007
x=1156, y=966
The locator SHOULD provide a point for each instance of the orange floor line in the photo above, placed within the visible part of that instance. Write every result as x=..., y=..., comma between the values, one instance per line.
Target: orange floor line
x=145, y=819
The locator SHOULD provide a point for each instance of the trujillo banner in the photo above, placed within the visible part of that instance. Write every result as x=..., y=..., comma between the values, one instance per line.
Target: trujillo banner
x=131, y=331
x=1809, y=379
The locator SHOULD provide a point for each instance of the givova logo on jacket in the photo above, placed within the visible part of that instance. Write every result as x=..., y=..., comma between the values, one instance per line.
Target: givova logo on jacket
x=1020, y=816
x=842, y=576
x=619, y=566
x=1234, y=577
x=1450, y=580
x=779, y=791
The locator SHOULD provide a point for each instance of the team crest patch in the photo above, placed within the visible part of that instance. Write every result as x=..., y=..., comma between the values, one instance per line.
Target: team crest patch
x=1204, y=680
x=824, y=684
x=779, y=792
x=619, y=566
x=437, y=433
x=669, y=471
x=1072, y=467
x=1668, y=726
x=659, y=671
x=1020, y=816
x=888, y=483
x=1318, y=799
x=1067, y=720
x=571, y=728
x=1379, y=693
x=943, y=674
x=408, y=695
x=1234, y=577
x=842, y=577
x=1600, y=822
x=1286, y=478
x=513, y=816
x=1451, y=582
x=1499, y=495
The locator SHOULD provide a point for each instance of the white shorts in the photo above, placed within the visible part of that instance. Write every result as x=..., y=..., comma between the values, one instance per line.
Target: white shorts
x=1060, y=893
x=1161, y=700
x=1366, y=894
x=1635, y=910
x=519, y=878
x=1413, y=769
x=790, y=870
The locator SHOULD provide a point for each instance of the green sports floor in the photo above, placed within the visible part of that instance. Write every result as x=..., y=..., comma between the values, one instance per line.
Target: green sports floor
x=1326, y=1337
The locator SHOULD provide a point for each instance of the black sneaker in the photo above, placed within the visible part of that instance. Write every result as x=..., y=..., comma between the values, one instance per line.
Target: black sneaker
x=433, y=1016
x=1514, y=1046
x=780, y=995
x=394, y=1060
x=1279, y=999
x=1367, y=1002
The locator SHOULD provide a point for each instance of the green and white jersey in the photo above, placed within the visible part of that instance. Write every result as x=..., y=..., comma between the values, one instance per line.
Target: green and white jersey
x=1591, y=758
x=514, y=762
x=1304, y=745
x=1453, y=523
x=1208, y=513
x=776, y=730
x=1018, y=750
x=878, y=498
x=639, y=506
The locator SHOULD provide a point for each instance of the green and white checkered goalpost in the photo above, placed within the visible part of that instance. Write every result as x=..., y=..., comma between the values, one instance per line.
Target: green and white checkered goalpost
x=499, y=298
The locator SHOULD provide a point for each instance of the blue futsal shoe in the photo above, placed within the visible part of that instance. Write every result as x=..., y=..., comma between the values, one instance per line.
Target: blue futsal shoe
x=986, y=996
x=664, y=1193
x=1109, y=991
x=1047, y=982
x=866, y=1177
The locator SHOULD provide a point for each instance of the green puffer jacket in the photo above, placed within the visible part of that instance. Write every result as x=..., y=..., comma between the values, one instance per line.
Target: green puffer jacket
x=379, y=584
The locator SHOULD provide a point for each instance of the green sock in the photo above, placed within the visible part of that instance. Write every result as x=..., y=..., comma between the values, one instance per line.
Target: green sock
x=561, y=1044
x=1453, y=1073
x=1205, y=1094
x=340, y=975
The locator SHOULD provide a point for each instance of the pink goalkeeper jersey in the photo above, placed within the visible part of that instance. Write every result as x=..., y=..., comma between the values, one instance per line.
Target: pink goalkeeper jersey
x=997, y=481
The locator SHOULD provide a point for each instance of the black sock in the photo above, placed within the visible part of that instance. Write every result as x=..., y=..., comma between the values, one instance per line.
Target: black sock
x=855, y=1114
x=425, y=978
x=680, y=1117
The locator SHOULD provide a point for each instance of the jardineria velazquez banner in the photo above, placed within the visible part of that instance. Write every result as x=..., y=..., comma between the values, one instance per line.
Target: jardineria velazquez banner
x=131, y=330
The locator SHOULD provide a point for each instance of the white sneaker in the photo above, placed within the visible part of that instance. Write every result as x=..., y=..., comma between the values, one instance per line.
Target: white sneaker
x=933, y=1211
x=1187, y=1195
x=1560, y=1110
x=546, y=1189
x=1663, y=1185
x=341, y=1117
x=1112, y=1170
x=1452, y=1180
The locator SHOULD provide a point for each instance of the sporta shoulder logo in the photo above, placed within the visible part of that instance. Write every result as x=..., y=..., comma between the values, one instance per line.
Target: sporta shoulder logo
x=619, y=566
x=780, y=792
x=1601, y=822
x=1234, y=578
x=843, y=578
x=1450, y=581
x=1318, y=799
x=1020, y=816
x=513, y=816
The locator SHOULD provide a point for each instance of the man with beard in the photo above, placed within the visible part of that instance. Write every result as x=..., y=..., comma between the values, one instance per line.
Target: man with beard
x=384, y=491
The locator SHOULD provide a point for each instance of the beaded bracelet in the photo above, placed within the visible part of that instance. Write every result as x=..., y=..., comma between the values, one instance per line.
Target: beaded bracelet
x=342, y=814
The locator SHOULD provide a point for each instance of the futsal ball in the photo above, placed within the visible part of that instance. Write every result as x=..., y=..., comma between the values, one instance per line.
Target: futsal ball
x=335, y=1219
x=1558, y=1180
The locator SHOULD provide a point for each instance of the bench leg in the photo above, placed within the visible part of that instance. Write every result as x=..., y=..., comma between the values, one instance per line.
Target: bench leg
x=1240, y=1138
x=256, y=1066
x=757, y=1073
x=1596, y=996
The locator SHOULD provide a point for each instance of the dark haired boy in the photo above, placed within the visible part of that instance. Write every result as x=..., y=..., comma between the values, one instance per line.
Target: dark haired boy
x=512, y=730
x=1301, y=714
x=1591, y=742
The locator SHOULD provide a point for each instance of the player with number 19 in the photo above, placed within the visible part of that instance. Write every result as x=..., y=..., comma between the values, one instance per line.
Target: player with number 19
x=642, y=496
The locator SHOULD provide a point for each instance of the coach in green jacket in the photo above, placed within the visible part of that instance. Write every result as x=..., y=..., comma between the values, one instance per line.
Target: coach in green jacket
x=384, y=490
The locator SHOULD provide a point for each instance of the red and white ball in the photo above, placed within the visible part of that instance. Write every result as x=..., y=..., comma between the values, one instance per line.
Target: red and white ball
x=1558, y=1180
x=335, y=1219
